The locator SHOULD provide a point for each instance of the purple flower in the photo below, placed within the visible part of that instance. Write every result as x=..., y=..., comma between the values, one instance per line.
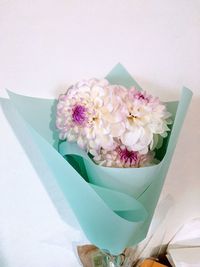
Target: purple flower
x=128, y=157
x=79, y=114
x=122, y=157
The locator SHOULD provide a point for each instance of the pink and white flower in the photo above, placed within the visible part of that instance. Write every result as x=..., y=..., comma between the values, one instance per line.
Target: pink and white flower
x=121, y=157
x=145, y=117
x=90, y=114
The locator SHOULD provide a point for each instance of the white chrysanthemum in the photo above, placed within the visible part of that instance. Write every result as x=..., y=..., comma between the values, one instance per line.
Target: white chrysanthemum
x=146, y=117
x=121, y=157
x=90, y=113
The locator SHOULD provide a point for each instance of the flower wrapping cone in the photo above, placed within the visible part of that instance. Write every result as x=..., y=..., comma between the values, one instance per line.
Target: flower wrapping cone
x=114, y=207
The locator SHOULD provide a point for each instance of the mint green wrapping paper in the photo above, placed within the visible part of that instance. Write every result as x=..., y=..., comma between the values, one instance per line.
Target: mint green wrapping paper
x=113, y=206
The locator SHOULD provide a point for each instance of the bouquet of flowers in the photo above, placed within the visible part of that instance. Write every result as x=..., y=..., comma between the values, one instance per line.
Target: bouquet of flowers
x=109, y=145
x=118, y=127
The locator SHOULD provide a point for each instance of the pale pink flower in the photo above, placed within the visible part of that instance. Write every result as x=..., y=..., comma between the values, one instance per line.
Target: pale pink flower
x=146, y=117
x=121, y=157
x=90, y=114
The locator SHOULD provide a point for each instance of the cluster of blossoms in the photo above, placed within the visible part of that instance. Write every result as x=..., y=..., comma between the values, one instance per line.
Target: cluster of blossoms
x=117, y=126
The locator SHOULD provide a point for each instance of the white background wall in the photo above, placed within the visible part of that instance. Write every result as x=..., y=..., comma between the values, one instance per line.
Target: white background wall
x=45, y=45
